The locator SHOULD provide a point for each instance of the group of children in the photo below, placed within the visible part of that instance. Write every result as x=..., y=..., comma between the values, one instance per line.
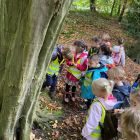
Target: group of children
x=100, y=72
x=126, y=97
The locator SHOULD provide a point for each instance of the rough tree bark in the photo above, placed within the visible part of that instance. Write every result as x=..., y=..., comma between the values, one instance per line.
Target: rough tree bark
x=122, y=11
x=28, y=32
x=114, y=2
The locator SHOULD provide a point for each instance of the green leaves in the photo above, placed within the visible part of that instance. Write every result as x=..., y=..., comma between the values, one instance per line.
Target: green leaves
x=132, y=20
x=81, y=4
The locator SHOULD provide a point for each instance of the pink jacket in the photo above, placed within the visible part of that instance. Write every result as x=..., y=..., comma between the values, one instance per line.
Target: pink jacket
x=82, y=66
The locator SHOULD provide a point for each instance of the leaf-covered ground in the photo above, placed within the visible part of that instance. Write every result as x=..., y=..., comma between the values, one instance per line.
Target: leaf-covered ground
x=58, y=121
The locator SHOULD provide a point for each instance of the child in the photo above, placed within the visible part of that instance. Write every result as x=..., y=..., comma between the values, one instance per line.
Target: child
x=54, y=69
x=121, y=89
x=134, y=102
x=136, y=84
x=105, y=56
x=75, y=69
x=67, y=54
x=96, y=45
x=102, y=89
x=106, y=40
x=95, y=70
x=118, y=53
x=130, y=123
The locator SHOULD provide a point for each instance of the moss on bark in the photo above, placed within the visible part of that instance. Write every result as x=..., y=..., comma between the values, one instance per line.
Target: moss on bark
x=28, y=33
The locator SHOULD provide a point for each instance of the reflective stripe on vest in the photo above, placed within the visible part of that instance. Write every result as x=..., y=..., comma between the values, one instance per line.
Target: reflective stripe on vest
x=88, y=79
x=53, y=67
x=96, y=133
x=73, y=70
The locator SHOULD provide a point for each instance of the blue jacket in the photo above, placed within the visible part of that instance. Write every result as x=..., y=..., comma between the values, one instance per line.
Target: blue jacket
x=122, y=93
x=96, y=73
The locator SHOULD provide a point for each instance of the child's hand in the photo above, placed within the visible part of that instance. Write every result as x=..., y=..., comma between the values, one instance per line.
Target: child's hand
x=71, y=64
x=74, y=64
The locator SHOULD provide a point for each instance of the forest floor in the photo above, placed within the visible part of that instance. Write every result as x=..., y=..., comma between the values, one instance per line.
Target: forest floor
x=58, y=121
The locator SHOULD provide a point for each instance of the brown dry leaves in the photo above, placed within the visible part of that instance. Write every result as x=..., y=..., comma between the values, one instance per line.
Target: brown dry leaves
x=79, y=28
x=49, y=105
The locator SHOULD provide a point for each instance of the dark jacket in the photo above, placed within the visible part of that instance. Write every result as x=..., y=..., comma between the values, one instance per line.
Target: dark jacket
x=57, y=53
x=122, y=93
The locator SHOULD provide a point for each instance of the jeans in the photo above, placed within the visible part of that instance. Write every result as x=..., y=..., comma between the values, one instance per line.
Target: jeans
x=69, y=88
x=88, y=103
x=51, y=80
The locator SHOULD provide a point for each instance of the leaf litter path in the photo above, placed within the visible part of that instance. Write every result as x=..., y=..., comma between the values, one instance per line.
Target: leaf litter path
x=57, y=121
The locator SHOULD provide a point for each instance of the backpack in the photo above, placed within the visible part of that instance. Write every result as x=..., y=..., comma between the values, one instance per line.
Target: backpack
x=116, y=54
x=109, y=128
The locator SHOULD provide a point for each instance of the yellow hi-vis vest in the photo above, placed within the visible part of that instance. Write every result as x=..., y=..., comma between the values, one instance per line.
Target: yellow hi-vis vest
x=73, y=70
x=54, y=67
x=96, y=133
x=88, y=79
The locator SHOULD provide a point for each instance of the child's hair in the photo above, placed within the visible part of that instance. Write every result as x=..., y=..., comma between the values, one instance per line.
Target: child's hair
x=105, y=50
x=120, y=41
x=130, y=123
x=67, y=53
x=106, y=37
x=116, y=72
x=96, y=39
x=103, y=86
x=81, y=43
x=135, y=95
x=94, y=57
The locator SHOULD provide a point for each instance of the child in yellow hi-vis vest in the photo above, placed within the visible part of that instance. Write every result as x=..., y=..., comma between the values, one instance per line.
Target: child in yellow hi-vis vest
x=94, y=71
x=58, y=57
x=74, y=71
x=102, y=88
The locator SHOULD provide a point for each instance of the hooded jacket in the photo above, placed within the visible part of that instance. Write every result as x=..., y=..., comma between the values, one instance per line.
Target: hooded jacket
x=92, y=74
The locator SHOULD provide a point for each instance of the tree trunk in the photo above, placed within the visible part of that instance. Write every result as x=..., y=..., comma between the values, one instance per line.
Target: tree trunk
x=28, y=33
x=119, y=8
x=114, y=2
x=122, y=11
x=92, y=5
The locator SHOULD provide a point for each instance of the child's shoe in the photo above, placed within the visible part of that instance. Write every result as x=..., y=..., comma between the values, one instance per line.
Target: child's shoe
x=66, y=98
x=73, y=97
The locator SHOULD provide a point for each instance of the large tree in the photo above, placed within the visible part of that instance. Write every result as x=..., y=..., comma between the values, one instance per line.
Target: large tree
x=28, y=32
x=92, y=5
x=113, y=5
x=132, y=18
x=123, y=10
